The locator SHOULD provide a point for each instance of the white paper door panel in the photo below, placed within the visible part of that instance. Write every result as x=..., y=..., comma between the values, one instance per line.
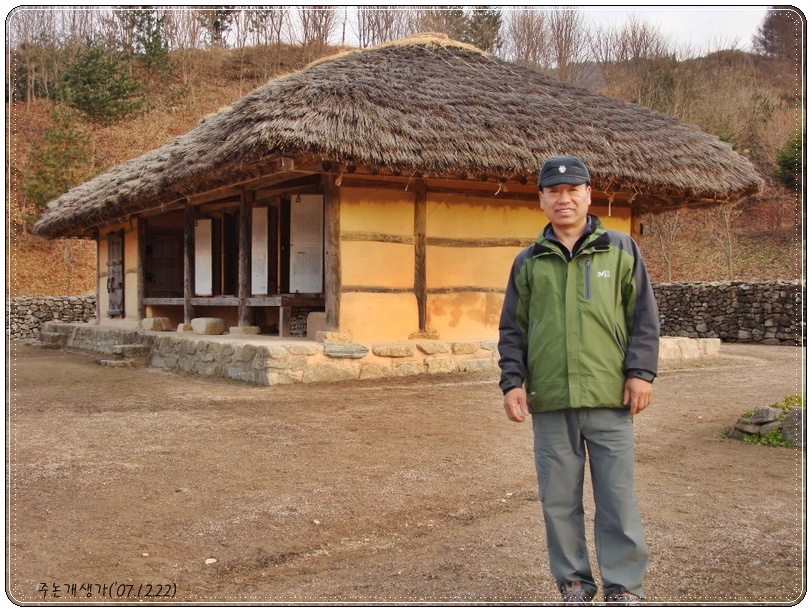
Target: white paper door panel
x=306, y=243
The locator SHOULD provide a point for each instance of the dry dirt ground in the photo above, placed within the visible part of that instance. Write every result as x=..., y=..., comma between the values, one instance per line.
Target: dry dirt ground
x=166, y=488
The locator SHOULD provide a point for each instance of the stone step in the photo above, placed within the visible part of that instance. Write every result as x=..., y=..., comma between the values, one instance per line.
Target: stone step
x=53, y=337
x=130, y=350
x=46, y=345
x=116, y=363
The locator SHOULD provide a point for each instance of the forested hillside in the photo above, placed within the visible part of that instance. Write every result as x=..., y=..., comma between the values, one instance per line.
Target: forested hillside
x=78, y=104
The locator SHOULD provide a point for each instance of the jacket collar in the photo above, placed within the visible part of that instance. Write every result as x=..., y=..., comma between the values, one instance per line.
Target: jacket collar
x=594, y=236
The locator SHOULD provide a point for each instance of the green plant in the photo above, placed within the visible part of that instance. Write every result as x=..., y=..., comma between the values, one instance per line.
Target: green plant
x=61, y=160
x=799, y=399
x=775, y=437
x=98, y=84
x=790, y=161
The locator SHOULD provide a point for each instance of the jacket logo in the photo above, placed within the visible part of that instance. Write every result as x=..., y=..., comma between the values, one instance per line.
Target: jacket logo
x=604, y=274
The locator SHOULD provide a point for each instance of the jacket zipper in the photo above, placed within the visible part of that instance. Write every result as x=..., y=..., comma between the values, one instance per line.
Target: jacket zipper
x=588, y=278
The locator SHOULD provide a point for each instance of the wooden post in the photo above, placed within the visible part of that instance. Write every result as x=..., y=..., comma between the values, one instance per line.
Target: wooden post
x=141, y=282
x=188, y=263
x=98, y=275
x=420, y=254
x=244, y=254
x=332, y=253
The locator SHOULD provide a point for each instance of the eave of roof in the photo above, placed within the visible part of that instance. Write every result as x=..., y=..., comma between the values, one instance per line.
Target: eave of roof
x=426, y=106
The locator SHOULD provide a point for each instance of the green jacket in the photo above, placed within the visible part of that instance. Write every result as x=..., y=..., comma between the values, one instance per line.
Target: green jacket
x=575, y=327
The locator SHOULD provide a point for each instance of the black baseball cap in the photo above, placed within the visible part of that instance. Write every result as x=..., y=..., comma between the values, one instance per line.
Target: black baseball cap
x=563, y=169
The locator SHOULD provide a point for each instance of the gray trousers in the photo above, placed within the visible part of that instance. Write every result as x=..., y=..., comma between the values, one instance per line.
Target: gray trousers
x=563, y=440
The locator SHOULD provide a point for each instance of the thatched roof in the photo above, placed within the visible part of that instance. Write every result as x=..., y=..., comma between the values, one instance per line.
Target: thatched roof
x=423, y=105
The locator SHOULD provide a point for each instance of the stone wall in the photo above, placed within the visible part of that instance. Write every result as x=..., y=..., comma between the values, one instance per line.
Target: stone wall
x=733, y=311
x=25, y=316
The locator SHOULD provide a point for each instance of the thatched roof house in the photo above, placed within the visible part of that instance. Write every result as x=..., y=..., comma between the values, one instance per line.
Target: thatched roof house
x=424, y=115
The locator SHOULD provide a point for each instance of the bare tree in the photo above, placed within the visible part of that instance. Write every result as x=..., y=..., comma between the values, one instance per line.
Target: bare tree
x=184, y=30
x=449, y=20
x=32, y=50
x=269, y=26
x=378, y=24
x=569, y=44
x=525, y=41
x=719, y=222
x=317, y=25
x=666, y=226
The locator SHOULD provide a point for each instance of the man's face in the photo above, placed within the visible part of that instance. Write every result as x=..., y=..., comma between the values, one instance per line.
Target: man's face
x=565, y=205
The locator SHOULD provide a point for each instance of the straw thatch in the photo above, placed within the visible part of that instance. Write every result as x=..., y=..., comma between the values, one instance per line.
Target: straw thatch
x=423, y=105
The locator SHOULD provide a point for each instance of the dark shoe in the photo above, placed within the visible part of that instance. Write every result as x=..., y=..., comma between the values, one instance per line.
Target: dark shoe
x=574, y=594
x=622, y=598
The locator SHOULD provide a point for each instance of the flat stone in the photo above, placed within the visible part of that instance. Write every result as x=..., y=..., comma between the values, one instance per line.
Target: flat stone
x=765, y=414
x=250, y=330
x=475, y=365
x=304, y=348
x=747, y=428
x=273, y=351
x=208, y=326
x=327, y=373
x=433, y=348
x=156, y=324
x=394, y=349
x=408, y=368
x=371, y=371
x=440, y=365
x=343, y=350
x=465, y=348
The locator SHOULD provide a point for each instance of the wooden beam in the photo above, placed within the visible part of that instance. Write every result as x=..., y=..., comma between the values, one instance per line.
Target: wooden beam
x=420, y=253
x=375, y=289
x=332, y=252
x=376, y=237
x=188, y=263
x=475, y=243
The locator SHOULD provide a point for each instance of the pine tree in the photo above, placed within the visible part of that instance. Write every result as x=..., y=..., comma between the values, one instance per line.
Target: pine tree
x=781, y=35
x=98, y=84
x=791, y=161
x=483, y=29
x=61, y=160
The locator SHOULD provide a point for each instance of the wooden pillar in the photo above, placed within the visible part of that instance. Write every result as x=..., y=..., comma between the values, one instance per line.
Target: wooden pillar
x=420, y=254
x=141, y=282
x=98, y=275
x=188, y=263
x=244, y=255
x=332, y=252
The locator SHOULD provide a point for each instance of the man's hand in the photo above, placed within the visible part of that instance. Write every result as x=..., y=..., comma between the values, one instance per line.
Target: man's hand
x=637, y=395
x=515, y=404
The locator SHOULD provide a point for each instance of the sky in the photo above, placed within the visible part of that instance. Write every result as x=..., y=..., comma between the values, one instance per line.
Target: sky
x=703, y=28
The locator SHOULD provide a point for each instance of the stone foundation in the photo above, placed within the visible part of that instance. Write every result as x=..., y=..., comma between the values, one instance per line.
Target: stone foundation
x=266, y=361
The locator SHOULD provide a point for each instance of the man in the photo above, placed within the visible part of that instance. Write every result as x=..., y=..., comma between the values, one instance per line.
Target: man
x=578, y=344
